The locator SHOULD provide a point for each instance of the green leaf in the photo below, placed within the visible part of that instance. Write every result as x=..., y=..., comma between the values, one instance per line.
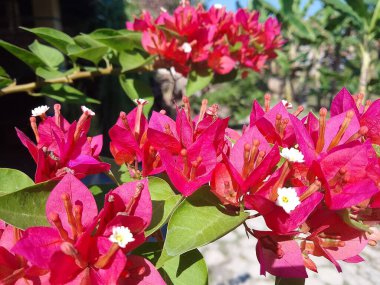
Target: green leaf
x=66, y=93
x=133, y=59
x=198, y=220
x=120, y=42
x=50, y=56
x=25, y=56
x=377, y=149
x=135, y=89
x=360, y=8
x=343, y=8
x=94, y=54
x=375, y=17
x=86, y=41
x=188, y=268
x=26, y=207
x=301, y=27
x=164, y=201
x=12, y=180
x=56, y=38
x=198, y=79
x=286, y=6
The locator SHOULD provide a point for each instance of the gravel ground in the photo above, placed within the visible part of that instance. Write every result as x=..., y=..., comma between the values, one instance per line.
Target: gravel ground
x=232, y=261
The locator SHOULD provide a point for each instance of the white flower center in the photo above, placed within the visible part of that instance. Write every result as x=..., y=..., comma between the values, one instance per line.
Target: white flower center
x=122, y=236
x=287, y=104
x=218, y=6
x=186, y=47
x=287, y=199
x=41, y=110
x=89, y=111
x=140, y=101
x=293, y=155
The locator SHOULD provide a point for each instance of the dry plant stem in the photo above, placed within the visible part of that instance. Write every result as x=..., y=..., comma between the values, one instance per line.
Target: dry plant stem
x=289, y=281
x=30, y=87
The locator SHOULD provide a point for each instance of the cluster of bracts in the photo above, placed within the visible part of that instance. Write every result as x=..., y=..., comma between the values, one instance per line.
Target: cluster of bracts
x=314, y=180
x=215, y=38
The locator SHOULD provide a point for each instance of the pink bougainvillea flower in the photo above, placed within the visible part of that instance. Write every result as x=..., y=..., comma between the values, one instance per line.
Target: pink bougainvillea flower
x=70, y=209
x=279, y=255
x=276, y=217
x=215, y=38
x=274, y=123
x=251, y=160
x=192, y=167
x=129, y=143
x=368, y=114
x=63, y=147
x=350, y=175
x=15, y=269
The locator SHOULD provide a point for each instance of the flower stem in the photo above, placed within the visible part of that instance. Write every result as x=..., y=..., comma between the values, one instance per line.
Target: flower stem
x=289, y=281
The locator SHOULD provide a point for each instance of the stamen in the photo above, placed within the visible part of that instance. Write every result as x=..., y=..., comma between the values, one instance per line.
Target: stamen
x=78, y=211
x=280, y=182
x=267, y=98
x=56, y=220
x=185, y=162
x=105, y=258
x=322, y=129
x=69, y=211
x=83, y=118
x=298, y=111
x=33, y=124
x=314, y=187
x=163, y=112
x=203, y=110
x=335, y=141
x=278, y=122
x=253, y=153
x=361, y=133
x=187, y=108
x=332, y=243
x=283, y=125
x=359, y=100
x=247, y=150
x=194, y=165
x=69, y=249
x=57, y=114
x=136, y=195
x=140, y=105
x=123, y=117
x=260, y=157
x=167, y=130
x=367, y=104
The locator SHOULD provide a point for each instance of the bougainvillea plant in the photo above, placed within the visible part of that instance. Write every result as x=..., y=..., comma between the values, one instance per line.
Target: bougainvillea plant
x=176, y=184
x=314, y=180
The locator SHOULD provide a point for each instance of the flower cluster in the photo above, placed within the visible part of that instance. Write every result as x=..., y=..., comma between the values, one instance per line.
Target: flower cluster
x=62, y=147
x=216, y=38
x=314, y=180
x=82, y=245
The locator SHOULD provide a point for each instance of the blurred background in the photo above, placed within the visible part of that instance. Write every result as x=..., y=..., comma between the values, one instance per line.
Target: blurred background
x=329, y=44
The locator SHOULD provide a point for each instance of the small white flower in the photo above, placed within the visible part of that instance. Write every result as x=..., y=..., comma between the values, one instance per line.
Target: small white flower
x=293, y=155
x=41, y=110
x=121, y=235
x=90, y=112
x=287, y=199
x=186, y=47
x=140, y=101
x=287, y=104
x=218, y=6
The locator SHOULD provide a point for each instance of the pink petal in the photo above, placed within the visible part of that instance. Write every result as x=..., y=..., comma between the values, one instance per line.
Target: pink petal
x=38, y=244
x=79, y=195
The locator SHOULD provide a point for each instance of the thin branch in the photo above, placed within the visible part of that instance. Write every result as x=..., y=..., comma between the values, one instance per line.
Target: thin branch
x=30, y=87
